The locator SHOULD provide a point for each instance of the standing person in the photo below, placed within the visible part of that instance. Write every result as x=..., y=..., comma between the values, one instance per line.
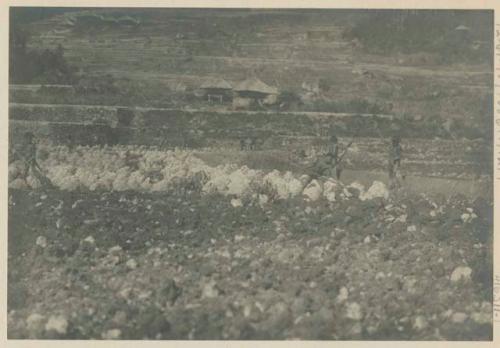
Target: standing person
x=248, y=143
x=333, y=154
x=329, y=164
x=28, y=154
x=395, y=151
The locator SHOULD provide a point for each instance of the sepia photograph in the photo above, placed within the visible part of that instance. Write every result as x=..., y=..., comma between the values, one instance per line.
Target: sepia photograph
x=250, y=174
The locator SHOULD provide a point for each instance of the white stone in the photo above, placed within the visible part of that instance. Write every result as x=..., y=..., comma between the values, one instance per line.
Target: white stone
x=329, y=188
x=412, y=228
x=377, y=190
x=115, y=250
x=465, y=217
x=236, y=202
x=458, y=317
x=420, y=323
x=313, y=191
x=358, y=186
x=112, y=334
x=263, y=199
x=89, y=240
x=461, y=273
x=481, y=318
x=41, y=241
x=354, y=311
x=209, y=290
x=58, y=324
x=346, y=193
x=35, y=323
x=343, y=295
x=402, y=218
x=132, y=264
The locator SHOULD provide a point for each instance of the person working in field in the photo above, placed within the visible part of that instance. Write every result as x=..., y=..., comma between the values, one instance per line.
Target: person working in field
x=27, y=153
x=328, y=165
x=395, y=152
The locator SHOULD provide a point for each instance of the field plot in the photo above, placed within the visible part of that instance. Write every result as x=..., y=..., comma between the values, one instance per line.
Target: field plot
x=118, y=249
x=167, y=174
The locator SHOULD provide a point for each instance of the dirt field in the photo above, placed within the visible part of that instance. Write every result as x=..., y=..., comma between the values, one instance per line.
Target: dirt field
x=164, y=228
x=193, y=263
x=133, y=266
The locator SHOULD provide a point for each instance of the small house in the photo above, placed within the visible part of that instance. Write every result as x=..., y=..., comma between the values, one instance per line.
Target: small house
x=463, y=33
x=216, y=89
x=254, y=91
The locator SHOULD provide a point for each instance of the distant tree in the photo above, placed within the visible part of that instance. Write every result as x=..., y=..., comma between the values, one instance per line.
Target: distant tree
x=28, y=66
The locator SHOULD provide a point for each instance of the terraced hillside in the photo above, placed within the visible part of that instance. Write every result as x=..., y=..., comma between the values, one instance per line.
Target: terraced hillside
x=170, y=51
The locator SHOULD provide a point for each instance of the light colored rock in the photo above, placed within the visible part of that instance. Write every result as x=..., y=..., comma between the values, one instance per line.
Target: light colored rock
x=112, y=334
x=239, y=182
x=358, y=186
x=89, y=240
x=346, y=193
x=263, y=199
x=481, y=317
x=461, y=273
x=210, y=290
x=329, y=188
x=41, y=241
x=57, y=324
x=377, y=190
x=18, y=184
x=33, y=182
x=468, y=217
x=132, y=264
x=35, y=323
x=420, y=323
x=236, y=202
x=402, y=218
x=313, y=191
x=115, y=250
x=447, y=313
x=356, y=329
x=412, y=228
x=353, y=311
x=367, y=240
x=458, y=317
x=343, y=295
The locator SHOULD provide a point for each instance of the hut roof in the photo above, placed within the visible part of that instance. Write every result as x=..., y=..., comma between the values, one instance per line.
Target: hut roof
x=462, y=27
x=253, y=84
x=216, y=83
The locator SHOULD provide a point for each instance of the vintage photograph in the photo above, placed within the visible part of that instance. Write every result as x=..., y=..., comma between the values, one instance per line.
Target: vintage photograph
x=250, y=174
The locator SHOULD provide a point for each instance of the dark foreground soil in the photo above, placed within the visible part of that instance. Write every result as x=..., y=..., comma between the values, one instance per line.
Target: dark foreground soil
x=87, y=265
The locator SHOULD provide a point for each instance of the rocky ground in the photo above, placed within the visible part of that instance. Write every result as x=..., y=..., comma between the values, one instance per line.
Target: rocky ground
x=178, y=265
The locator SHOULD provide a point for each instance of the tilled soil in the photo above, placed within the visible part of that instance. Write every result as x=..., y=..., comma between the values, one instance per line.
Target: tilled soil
x=177, y=265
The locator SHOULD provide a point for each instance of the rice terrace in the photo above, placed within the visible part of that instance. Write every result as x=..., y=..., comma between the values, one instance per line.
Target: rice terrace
x=247, y=174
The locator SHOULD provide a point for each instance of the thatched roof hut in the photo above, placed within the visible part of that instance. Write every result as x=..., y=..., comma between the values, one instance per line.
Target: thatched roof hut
x=255, y=88
x=216, y=89
x=216, y=83
x=462, y=27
